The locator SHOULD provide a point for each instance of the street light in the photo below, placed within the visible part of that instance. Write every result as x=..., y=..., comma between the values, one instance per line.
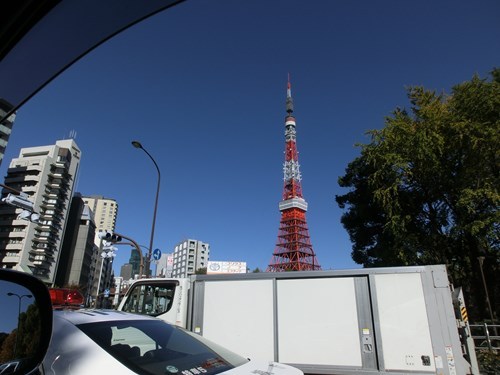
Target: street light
x=20, y=297
x=21, y=200
x=138, y=144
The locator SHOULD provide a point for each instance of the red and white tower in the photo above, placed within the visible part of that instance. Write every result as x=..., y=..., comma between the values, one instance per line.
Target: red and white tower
x=294, y=251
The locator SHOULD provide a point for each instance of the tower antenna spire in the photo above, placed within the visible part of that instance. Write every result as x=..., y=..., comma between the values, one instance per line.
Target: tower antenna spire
x=293, y=251
x=289, y=100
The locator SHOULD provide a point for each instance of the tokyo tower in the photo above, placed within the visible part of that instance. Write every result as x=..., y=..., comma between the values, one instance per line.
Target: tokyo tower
x=293, y=251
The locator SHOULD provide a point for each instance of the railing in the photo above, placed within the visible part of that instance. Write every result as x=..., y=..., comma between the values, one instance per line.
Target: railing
x=486, y=336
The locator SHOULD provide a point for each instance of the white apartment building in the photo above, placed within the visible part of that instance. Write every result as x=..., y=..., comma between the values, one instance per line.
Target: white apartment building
x=105, y=211
x=189, y=256
x=47, y=174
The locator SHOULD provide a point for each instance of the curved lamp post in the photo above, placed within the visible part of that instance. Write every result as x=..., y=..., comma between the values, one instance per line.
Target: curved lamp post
x=20, y=297
x=138, y=144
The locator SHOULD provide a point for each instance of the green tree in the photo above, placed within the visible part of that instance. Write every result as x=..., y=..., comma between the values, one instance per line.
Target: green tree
x=7, y=349
x=29, y=331
x=425, y=189
x=201, y=271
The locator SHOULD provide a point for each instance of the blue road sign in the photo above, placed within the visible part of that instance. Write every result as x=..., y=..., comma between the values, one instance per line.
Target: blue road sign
x=156, y=254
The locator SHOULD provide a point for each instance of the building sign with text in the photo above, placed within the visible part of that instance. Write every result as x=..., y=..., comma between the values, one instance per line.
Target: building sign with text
x=226, y=267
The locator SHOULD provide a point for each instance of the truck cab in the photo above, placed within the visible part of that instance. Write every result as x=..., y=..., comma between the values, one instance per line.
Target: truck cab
x=159, y=297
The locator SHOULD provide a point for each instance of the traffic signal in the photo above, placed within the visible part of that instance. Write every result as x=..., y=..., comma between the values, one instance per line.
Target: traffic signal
x=110, y=237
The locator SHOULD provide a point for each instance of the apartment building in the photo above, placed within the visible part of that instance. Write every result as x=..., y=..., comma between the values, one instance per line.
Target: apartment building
x=47, y=174
x=189, y=256
x=78, y=249
x=105, y=211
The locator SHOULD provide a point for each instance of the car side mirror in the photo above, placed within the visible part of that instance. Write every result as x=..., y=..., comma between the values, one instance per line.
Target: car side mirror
x=26, y=324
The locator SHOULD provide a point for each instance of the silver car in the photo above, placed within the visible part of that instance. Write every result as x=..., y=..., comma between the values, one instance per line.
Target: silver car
x=113, y=342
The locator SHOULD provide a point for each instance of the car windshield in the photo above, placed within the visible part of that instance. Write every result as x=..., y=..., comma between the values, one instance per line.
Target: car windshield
x=154, y=347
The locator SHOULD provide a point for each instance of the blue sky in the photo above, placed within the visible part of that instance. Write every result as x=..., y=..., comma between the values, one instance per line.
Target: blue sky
x=10, y=304
x=202, y=86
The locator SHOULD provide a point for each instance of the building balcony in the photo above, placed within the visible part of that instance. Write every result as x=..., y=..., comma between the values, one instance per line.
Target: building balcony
x=38, y=248
x=11, y=259
x=42, y=267
x=57, y=181
x=50, y=192
x=9, y=180
x=17, y=170
x=39, y=257
x=30, y=189
x=44, y=240
x=39, y=234
x=55, y=174
x=15, y=234
x=26, y=169
x=14, y=246
x=54, y=184
x=49, y=203
x=44, y=225
x=62, y=163
x=53, y=215
x=49, y=255
x=33, y=178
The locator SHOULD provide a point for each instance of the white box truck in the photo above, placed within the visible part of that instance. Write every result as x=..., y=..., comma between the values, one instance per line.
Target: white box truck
x=397, y=320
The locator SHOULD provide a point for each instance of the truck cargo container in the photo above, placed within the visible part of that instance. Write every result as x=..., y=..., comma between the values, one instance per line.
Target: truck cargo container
x=398, y=320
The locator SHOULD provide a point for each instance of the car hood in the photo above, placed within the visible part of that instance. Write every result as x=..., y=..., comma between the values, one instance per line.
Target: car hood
x=264, y=368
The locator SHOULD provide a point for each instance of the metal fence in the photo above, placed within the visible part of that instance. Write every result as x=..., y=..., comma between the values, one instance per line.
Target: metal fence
x=486, y=336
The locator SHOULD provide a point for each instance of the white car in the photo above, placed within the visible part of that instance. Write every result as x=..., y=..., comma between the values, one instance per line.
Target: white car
x=91, y=342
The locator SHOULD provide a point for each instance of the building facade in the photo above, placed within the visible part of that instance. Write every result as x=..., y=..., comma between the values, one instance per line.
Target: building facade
x=5, y=127
x=47, y=174
x=163, y=266
x=126, y=271
x=189, y=256
x=135, y=262
x=78, y=250
x=105, y=212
